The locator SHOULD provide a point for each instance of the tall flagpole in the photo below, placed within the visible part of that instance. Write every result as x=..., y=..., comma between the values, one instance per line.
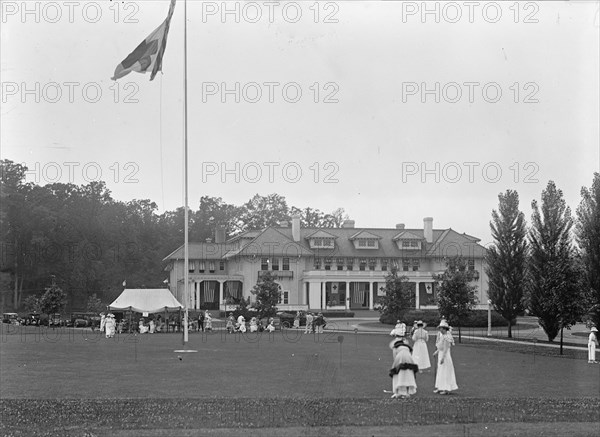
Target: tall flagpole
x=185, y=176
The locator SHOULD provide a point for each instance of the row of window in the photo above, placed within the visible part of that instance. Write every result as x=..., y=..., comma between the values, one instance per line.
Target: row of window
x=274, y=263
x=202, y=266
x=406, y=264
x=362, y=243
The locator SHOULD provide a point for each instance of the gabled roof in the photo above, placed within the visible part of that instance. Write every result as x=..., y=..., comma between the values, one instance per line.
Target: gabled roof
x=271, y=242
x=405, y=235
x=452, y=243
x=201, y=251
x=364, y=234
x=320, y=234
x=279, y=241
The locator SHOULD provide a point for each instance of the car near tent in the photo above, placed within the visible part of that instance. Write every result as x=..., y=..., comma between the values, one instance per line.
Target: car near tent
x=12, y=318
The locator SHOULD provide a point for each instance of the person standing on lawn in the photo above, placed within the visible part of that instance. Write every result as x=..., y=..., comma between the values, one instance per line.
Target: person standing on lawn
x=201, y=321
x=229, y=325
x=592, y=344
x=297, y=320
x=403, y=371
x=208, y=319
x=309, y=323
x=420, y=351
x=445, y=379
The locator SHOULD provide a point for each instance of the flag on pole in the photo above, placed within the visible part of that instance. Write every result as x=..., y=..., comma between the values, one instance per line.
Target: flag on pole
x=148, y=55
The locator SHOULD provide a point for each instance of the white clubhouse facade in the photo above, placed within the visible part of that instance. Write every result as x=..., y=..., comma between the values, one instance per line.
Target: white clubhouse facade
x=322, y=268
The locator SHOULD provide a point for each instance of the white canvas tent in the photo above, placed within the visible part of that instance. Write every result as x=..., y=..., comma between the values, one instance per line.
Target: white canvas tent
x=146, y=300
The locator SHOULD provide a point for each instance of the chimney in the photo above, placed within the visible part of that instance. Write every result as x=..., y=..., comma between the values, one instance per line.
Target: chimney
x=348, y=224
x=296, y=228
x=428, y=229
x=220, y=235
x=400, y=226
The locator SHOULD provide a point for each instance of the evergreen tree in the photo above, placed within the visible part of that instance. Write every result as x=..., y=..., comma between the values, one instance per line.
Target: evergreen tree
x=506, y=261
x=588, y=236
x=399, y=296
x=53, y=300
x=268, y=295
x=554, y=295
x=455, y=293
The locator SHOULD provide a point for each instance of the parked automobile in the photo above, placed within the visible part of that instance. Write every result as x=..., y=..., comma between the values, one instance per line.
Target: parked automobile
x=32, y=319
x=12, y=318
x=55, y=320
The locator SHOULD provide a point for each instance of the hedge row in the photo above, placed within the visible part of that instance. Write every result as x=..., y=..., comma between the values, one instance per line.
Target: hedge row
x=476, y=318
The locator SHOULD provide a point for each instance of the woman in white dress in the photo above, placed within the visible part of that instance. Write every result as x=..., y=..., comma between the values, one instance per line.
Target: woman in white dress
x=241, y=322
x=403, y=371
x=592, y=344
x=152, y=326
x=143, y=328
x=420, y=351
x=297, y=320
x=399, y=330
x=110, y=326
x=253, y=325
x=207, y=321
x=445, y=379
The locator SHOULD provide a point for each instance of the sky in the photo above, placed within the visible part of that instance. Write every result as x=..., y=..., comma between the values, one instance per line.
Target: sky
x=394, y=111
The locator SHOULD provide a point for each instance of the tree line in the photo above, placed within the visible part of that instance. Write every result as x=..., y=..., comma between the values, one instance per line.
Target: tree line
x=549, y=269
x=91, y=242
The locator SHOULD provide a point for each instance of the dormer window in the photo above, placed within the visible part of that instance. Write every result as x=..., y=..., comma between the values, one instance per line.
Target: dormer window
x=409, y=244
x=321, y=243
x=363, y=243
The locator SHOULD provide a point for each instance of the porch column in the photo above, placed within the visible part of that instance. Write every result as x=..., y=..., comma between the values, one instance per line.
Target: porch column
x=221, y=291
x=371, y=295
x=348, y=296
x=417, y=303
x=323, y=295
x=196, y=295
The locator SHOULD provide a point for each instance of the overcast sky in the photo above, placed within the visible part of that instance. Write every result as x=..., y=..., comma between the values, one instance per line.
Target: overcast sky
x=517, y=89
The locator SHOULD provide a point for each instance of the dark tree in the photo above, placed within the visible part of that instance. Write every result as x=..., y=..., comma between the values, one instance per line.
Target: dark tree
x=53, y=300
x=268, y=295
x=587, y=229
x=455, y=293
x=554, y=296
x=399, y=296
x=506, y=260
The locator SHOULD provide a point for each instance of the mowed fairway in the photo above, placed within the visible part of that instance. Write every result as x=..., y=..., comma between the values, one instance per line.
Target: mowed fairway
x=77, y=363
x=131, y=381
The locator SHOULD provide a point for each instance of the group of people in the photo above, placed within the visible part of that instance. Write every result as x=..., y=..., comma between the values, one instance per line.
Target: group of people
x=256, y=325
x=313, y=323
x=204, y=322
x=409, y=360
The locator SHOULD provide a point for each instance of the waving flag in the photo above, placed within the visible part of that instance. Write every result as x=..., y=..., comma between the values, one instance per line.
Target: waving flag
x=148, y=55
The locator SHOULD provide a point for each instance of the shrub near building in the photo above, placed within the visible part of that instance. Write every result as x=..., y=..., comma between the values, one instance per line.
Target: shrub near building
x=476, y=318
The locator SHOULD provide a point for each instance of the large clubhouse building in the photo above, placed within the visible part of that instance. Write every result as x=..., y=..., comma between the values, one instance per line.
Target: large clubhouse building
x=322, y=268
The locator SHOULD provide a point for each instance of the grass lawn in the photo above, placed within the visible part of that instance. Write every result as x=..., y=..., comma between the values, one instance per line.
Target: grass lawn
x=69, y=381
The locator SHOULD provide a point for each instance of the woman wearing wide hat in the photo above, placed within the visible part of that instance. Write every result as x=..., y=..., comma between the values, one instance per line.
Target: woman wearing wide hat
x=445, y=379
x=403, y=371
x=592, y=344
x=420, y=351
